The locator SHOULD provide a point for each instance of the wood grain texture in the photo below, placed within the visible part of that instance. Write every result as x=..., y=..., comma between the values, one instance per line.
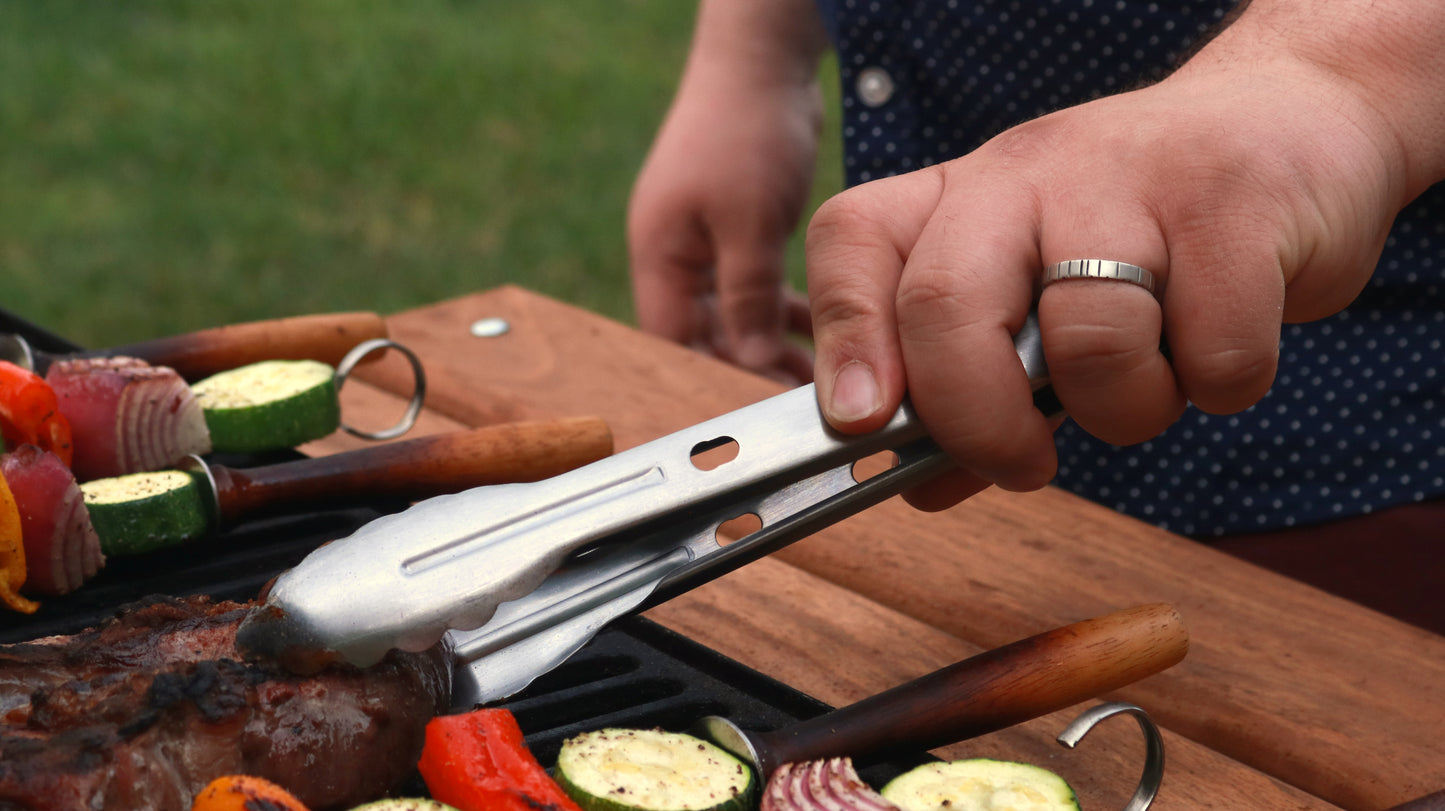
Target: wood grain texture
x=1319, y=693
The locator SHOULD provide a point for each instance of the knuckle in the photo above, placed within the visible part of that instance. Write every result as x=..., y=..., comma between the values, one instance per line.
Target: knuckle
x=937, y=306
x=1094, y=348
x=1032, y=141
x=840, y=221
x=846, y=303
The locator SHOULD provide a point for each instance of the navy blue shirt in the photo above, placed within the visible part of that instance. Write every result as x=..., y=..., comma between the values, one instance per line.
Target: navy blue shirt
x=1354, y=422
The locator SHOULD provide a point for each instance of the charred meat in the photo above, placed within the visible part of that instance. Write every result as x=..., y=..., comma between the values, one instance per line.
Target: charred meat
x=142, y=711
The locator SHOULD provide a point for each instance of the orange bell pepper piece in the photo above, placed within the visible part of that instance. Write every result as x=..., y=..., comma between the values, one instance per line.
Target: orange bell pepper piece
x=239, y=792
x=479, y=761
x=12, y=554
x=30, y=412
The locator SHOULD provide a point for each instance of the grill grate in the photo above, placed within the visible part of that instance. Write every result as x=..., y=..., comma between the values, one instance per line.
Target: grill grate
x=641, y=675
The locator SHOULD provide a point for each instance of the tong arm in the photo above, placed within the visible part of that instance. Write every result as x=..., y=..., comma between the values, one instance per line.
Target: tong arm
x=534, y=633
x=446, y=563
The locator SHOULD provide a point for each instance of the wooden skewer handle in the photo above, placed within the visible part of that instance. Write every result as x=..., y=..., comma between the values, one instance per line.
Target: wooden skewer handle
x=418, y=468
x=326, y=337
x=991, y=691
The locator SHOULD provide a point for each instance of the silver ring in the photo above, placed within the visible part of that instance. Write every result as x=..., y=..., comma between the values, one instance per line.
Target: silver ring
x=1100, y=269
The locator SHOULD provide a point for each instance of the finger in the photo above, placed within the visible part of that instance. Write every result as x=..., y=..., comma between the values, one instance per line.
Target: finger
x=944, y=491
x=1105, y=362
x=1102, y=336
x=750, y=300
x=797, y=315
x=794, y=367
x=964, y=294
x=672, y=264
x=856, y=246
x=797, y=360
x=1224, y=309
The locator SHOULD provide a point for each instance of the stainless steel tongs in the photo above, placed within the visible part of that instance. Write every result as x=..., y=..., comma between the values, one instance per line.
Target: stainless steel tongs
x=517, y=577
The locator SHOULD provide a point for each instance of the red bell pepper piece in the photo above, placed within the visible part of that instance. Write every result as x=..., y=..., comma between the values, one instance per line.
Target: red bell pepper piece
x=30, y=413
x=479, y=761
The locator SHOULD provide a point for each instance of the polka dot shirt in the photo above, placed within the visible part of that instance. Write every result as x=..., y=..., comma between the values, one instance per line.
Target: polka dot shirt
x=1355, y=419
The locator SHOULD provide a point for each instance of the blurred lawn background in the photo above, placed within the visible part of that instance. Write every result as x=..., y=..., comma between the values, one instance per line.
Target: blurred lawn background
x=167, y=165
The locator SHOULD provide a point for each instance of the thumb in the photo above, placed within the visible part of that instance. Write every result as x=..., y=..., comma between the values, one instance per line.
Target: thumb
x=858, y=242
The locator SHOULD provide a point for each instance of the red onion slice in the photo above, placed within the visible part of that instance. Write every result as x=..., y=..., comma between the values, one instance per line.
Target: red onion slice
x=127, y=416
x=821, y=785
x=62, y=550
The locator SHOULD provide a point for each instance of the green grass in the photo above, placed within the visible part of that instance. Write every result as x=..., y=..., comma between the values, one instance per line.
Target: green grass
x=173, y=165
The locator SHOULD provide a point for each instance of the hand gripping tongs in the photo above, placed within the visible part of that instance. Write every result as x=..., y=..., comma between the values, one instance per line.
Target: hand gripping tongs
x=514, y=578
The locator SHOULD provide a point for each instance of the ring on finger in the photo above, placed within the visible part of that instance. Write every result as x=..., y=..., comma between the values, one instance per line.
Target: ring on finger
x=1100, y=269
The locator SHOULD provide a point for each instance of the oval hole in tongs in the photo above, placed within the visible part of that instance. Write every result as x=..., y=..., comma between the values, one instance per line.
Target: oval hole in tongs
x=418, y=391
x=871, y=465
x=1153, y=774
x=735, y=529
x=714, y=453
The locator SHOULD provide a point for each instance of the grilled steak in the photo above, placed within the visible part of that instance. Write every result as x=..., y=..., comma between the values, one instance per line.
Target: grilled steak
x=141, y=712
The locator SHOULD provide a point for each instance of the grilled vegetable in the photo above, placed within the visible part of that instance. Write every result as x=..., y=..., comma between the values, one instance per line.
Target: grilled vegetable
x=821, y=785
x=30, y=413
x=62, y=550
x=478, y=761
x=980, y=784
x=127, y=416
x=651, y=770
x=12, y=554
x=269, y=405
x=245, y=793
x=143, y=512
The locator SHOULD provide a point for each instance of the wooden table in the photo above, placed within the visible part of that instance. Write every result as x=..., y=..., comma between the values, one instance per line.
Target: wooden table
x=1288, y=699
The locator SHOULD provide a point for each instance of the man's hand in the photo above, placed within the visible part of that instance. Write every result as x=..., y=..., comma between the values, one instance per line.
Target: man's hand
x=1258, y=186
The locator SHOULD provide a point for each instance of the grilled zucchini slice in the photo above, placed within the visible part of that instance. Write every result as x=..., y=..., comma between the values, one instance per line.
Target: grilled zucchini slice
x=980, y=784
x=652, y=770
x=142, y=512
x=269, y=405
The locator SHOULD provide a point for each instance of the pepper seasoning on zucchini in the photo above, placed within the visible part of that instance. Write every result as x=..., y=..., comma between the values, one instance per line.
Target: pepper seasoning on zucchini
x=269, y=405
x=652, y=770
x=143, y=512
x=980, y=784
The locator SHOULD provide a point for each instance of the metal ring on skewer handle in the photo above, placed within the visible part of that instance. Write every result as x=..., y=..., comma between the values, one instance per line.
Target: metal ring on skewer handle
x=418, y=392
x=1153, y=775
